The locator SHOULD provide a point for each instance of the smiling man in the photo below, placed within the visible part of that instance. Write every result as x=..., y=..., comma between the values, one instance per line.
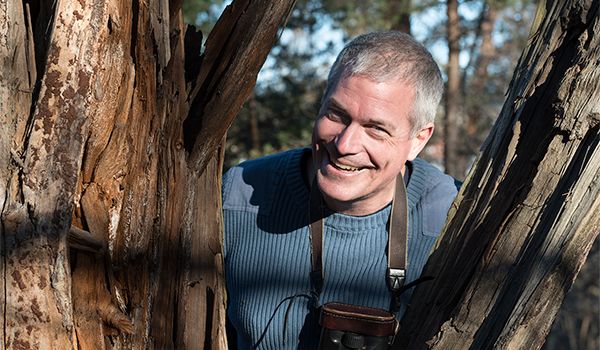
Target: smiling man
x=376, y=116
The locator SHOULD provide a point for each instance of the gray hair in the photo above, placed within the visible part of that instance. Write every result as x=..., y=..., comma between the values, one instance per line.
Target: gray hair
x=393, y=55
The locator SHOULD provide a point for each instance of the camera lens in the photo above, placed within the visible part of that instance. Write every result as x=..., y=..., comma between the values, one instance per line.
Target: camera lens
x=353, y=341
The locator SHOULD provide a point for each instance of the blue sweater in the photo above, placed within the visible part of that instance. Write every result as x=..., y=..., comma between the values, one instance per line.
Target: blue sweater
x=267, y=249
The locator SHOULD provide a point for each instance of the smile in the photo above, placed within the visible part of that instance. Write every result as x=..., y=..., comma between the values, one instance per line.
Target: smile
x=344, y=167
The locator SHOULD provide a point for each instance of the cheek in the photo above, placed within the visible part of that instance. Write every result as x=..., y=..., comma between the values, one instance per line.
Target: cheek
x=386, y=155
x=325, y=129
x=316, y=132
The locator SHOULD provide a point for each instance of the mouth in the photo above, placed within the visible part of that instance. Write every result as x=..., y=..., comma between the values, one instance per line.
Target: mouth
x=344, y=167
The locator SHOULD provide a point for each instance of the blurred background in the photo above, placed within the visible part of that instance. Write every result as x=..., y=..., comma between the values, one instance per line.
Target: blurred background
x=476, y=43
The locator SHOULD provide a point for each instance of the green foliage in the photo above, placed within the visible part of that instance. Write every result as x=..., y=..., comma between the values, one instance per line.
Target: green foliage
x=281, y=113
x=355, y=17
x=286, y=99
x=202, y=13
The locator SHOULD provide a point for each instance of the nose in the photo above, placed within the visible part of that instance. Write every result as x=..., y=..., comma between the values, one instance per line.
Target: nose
x=348, y=140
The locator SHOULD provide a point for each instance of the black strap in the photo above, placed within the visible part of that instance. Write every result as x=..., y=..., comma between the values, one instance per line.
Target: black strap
x=316, y=236
x=397, y=240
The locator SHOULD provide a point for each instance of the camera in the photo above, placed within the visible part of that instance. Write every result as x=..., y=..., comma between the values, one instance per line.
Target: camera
x=347, y=326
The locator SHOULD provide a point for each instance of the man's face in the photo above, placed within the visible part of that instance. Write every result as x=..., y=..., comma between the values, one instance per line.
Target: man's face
x=361, y=142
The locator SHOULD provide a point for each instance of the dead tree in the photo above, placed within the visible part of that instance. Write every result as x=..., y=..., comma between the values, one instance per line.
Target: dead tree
x=111, y=122
x=524, y=221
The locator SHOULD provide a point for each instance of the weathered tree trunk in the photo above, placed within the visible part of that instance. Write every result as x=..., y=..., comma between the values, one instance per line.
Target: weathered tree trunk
x=527, y=215
x=109, y=205
x=453, y=103
x=577, y=324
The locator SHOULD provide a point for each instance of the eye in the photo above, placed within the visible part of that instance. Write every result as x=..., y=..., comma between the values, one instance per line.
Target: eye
x=377, y=130
x=334, y=117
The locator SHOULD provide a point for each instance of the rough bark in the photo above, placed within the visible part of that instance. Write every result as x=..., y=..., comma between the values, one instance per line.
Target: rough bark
x=523, y=223
x=577, y=325
x=94, y=96
x=452, y=117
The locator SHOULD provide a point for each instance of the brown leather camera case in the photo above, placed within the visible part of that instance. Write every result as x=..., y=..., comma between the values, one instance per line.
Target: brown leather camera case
x=358, y=319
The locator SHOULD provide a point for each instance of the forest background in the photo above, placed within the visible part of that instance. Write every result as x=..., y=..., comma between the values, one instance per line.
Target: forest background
x=476, y=43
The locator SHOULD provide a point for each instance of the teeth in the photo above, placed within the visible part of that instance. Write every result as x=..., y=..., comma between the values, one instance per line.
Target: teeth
x=345, y=167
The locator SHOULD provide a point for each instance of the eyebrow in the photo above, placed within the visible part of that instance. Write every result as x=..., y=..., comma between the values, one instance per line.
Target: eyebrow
x=337, y=107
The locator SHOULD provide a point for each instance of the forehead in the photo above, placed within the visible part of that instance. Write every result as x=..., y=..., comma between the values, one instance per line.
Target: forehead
x=364, y=97
x=345, y=77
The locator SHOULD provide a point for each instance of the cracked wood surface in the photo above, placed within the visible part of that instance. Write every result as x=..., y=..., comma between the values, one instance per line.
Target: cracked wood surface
x=526, y=217
x=93, y=97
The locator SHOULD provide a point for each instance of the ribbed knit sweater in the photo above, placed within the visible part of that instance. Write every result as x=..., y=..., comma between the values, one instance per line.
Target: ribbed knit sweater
x=267, y=249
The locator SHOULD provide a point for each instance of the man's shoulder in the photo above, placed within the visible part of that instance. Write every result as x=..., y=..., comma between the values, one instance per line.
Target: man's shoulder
x=438, y=190
x=432, y=177
x=251, y=184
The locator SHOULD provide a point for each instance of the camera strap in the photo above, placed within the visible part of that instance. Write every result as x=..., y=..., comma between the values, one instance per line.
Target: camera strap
x=397, y=241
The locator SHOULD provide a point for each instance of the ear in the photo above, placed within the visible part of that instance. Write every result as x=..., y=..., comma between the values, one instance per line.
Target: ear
x=420, y=140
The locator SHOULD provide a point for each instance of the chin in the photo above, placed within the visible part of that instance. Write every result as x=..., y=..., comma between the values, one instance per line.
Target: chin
x=340, y=197
x=338, y=192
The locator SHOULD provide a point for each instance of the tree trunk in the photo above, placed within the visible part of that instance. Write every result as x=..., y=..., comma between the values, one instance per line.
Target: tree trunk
x=475, y=112
x=109, y=207
x=577, y=325
x=399, y=14
x=453, y=97
x=255, y=142
x=524, y=221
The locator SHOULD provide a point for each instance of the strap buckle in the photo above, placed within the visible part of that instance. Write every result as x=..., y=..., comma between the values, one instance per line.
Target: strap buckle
x=395, y=279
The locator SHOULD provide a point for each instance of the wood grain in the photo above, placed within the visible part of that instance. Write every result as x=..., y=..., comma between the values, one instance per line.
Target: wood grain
x=95, y=100
x=526, y=217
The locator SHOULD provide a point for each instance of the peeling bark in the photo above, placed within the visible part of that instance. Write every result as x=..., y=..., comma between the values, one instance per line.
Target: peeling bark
x=94, y=96
x=526, y=218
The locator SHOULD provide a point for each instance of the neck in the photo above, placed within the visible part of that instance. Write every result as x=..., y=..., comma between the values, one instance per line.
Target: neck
x=356, y=208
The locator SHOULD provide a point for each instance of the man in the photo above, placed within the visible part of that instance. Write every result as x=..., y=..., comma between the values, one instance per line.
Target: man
x=377, y=114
